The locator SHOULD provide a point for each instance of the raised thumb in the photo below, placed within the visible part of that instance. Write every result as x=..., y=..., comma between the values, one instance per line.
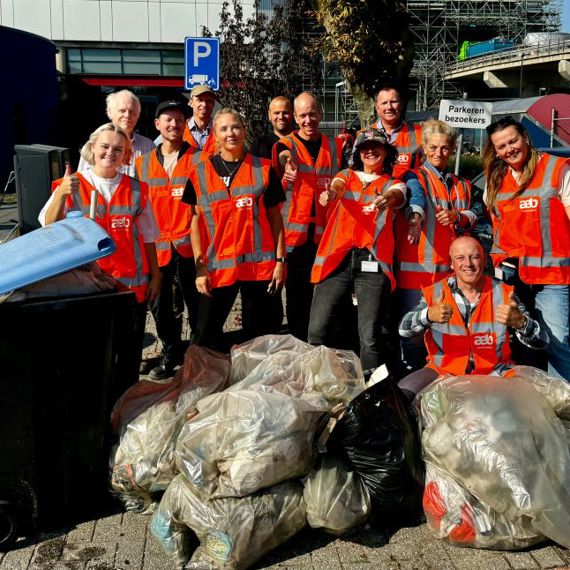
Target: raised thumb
x=440, y=297
x=68, y=169
x=512, y=300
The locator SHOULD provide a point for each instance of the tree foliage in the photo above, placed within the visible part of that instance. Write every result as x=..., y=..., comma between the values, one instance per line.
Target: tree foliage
x=371, y=41
x=261, y=58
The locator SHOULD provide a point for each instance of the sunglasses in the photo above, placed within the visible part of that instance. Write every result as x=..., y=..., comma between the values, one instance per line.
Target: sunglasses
x=501, y=124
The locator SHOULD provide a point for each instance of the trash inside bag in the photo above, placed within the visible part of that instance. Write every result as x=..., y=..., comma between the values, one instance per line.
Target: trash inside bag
x=500, y=439
x=336, y=499
x=378, y=437
x=458, y=517
x=320, y=375
x=246, y=356
x=233, y=532
x=148, y=418
x=243, y=441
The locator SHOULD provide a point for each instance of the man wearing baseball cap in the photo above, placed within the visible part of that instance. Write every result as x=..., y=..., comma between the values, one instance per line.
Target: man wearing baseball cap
x=165, y=169
x=198, y=132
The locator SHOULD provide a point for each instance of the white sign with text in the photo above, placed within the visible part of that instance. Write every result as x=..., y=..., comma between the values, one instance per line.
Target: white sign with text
x=465, y=114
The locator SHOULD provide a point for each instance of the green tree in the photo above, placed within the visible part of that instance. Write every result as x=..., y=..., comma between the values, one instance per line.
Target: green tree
x=261, y=57
x=371, y=41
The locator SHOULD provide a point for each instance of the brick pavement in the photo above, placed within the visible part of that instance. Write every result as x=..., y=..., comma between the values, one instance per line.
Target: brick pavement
x=122, y=541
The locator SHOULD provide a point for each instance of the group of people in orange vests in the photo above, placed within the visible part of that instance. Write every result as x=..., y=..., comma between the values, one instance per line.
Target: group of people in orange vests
x=375, y=243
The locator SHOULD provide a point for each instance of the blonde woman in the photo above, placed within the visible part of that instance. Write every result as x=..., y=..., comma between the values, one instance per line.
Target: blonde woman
x=237, y=234
x=123, y=210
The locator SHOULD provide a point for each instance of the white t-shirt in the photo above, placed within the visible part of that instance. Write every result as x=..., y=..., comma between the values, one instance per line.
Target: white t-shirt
x=146, y=223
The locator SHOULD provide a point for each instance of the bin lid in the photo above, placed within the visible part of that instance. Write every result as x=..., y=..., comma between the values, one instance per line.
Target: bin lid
x=51, y=250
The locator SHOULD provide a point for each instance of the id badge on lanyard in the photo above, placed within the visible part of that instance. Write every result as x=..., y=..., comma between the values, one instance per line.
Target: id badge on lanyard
x=369, y=266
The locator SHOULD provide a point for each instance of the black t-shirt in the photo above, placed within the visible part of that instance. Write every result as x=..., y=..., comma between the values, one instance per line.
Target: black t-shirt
x=313, y=147
x=272, y=196
x=263, y=145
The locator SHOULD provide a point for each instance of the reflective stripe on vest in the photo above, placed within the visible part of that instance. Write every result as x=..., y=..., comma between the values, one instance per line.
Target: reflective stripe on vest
x=304, y=168
x=439, y=330
x=546, y=192
x=206, y=199
x=417, y=265
x=139, y=281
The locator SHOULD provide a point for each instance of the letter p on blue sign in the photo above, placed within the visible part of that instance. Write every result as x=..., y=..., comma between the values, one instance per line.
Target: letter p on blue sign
x=202, y=62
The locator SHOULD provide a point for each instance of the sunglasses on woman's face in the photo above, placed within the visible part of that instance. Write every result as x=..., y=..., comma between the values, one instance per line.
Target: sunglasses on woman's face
x=501, y=124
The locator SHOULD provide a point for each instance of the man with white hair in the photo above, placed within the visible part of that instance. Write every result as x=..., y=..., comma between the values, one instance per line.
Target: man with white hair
x=124, y=109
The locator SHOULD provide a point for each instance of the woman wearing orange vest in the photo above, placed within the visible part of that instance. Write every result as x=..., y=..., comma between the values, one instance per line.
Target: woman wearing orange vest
x=465, y=318
x=424, y=234
x=237, y=233
x=528, y=197
x=123, y=210
x=355, y=253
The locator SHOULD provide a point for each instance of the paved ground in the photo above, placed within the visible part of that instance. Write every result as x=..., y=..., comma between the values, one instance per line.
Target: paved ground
x=121, y=541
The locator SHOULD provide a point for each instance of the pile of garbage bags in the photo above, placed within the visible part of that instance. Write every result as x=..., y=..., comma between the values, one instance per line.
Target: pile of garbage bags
x=498, y=459
x=148, y=419
x=240, y=465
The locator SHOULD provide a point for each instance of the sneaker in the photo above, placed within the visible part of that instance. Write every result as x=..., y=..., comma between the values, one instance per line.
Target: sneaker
x=165, y=369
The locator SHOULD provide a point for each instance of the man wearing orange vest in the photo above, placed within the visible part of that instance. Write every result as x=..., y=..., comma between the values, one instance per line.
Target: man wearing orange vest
x=307, y=160
x=166, y=170
x=198, y=132
x=465, y=318
x=406, y=137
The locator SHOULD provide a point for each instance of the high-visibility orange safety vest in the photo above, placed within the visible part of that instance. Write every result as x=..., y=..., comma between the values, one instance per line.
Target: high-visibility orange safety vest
x=354, y=222
x=312, y=178
x=449, y=344
x=421, y=264
x=128, y=264
x=171, y=214
x=235, y=229
x=209, y=147
x=409, y=144
x=534, y=226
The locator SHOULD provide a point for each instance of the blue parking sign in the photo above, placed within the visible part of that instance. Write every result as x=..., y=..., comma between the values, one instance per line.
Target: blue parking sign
x=202, y=62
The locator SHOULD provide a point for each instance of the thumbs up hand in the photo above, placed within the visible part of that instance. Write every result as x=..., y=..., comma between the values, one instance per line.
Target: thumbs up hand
x=327, y=195
x=290, y=174
x=69, y=183
x=446, y=217
x=440, y=312
x=508, y=313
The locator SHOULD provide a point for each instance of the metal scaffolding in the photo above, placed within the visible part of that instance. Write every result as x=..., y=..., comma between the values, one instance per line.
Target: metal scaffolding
x=440, y=26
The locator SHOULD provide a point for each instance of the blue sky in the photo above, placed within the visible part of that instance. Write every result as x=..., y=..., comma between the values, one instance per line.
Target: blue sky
x=566, y=16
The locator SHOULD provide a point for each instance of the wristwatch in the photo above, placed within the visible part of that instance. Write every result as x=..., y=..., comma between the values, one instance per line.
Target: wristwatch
x=281, y=259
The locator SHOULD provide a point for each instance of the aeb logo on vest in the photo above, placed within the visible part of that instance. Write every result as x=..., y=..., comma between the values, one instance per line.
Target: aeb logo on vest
x=484, y=340
x=322, y=182
x=528, y=204
x=245, y=202
x=369, y=208
x=120, y=222
x=177, y=191
x=403, y=158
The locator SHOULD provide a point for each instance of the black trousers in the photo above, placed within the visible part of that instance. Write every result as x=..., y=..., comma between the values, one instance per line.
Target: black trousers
x=299, y=289
x=257, y=306
x=169, y=320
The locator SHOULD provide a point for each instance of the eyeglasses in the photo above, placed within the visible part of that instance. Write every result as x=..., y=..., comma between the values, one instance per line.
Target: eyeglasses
x=501, y=124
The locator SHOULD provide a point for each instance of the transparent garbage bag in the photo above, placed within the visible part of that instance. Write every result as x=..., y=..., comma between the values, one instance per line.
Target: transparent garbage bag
x=233, y=533
x=500, y=440
x=456, y=516
x=243, y=441
x=336, y=499
x=148, y=418
x=320, y=375
x=246, y=356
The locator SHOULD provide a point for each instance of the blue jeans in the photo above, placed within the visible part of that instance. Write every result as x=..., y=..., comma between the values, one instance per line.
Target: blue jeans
x=552, y=310
x=373, y=295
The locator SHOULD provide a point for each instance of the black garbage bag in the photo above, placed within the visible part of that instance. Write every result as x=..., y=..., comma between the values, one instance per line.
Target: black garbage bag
x=378, y=435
